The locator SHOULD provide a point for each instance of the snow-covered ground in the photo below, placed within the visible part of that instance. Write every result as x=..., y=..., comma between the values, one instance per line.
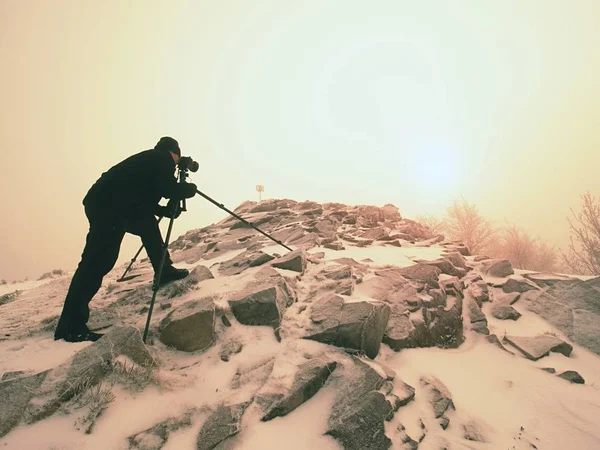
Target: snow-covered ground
x=521, y=406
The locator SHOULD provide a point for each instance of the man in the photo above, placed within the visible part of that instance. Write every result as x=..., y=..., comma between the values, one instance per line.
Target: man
x=124, y=199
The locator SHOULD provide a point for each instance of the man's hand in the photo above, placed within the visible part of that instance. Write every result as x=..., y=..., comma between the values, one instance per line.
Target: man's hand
x=167, y=211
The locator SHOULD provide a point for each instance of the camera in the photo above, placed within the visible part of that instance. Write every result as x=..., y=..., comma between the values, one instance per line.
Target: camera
x=187, y=163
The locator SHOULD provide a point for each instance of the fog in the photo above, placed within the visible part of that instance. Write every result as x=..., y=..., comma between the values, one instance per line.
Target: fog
x=353, y=102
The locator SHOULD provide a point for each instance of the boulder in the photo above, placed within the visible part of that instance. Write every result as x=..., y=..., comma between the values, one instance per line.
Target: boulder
x=244, y=261
x=457, y=259
x=353, y=325
x=359, y=410
x=407, y=442
x=311, y=376
x=505, y=312
x=520, y=286
x=497, y=268
x=506, y=299
x=189, y=327
x=295, y=261
x=477, y=314
x=336, y=272
x=480, y=327
x=537, y=347
x=32, y=398
x=337, y=245
x=480, y=293
x=263, y=304
x=572, y=376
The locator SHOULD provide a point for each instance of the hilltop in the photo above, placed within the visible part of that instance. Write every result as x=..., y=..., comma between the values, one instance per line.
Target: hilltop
x=372, y=333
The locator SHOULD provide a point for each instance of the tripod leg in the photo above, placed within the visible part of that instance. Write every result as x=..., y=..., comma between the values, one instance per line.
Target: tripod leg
x=156, y=283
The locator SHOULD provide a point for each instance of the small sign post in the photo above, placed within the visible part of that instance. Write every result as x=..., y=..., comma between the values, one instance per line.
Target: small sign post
x=260, y=189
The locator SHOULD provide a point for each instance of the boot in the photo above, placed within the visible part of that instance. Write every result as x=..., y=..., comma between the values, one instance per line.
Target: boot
x=171, y=273
x=82, y=335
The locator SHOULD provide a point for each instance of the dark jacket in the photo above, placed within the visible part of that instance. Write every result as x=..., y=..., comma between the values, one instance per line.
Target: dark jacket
x=135, y=186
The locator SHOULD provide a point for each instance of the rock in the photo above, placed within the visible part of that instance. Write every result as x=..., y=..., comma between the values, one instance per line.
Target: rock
x=310, y=378
x=252, y=376
x=400, y=331
x=520, y=286
x=295, y=260
x=359, y=410
x=189, y=327
x=507, y=299
x=12, y=375
x=549, y=369
x=33, y=398
x=457, y=259
x=477, y=314
x=537, y=347
x=480, y=258
x=452, y=286
x=224, y=422
x=498, y=268
x=357, y=325
x=230, y=348
x=262, y=305
x=439, y=397
x=493, y=339
x=154, y=438
x=545, y=279
x=572, y=376
x=445, y=266
x=180, y=287
x=505, y=312
x=244, y=261
x=374, y=233
x=420, y=272
x=336, y=272
x=481, y=328
x=407, y=442
x=404, y=392
x=472, y=431
x=337, y=245
x=572, y=306
x=480, y=293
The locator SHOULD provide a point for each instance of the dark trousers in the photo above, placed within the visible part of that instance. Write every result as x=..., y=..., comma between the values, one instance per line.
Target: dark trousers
x=103, y=242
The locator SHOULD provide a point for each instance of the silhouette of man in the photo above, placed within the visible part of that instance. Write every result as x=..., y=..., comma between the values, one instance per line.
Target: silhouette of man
x=124, y=199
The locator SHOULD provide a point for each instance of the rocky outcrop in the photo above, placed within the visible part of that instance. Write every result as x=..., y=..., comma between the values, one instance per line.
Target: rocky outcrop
x=189, y=327
x=155, y=437
x=520, y=286
x=356, y=325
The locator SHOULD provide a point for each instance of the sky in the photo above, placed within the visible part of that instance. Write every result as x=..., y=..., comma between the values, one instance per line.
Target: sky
x=410, y=103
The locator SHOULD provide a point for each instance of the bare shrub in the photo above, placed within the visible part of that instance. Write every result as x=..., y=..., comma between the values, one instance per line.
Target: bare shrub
x=464, y=223
x=583, y=255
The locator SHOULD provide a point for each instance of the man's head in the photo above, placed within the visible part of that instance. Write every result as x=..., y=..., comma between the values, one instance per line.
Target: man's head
x=170, y=145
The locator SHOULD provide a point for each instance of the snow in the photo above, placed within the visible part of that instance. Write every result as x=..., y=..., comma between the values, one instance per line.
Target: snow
x=502, y=392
